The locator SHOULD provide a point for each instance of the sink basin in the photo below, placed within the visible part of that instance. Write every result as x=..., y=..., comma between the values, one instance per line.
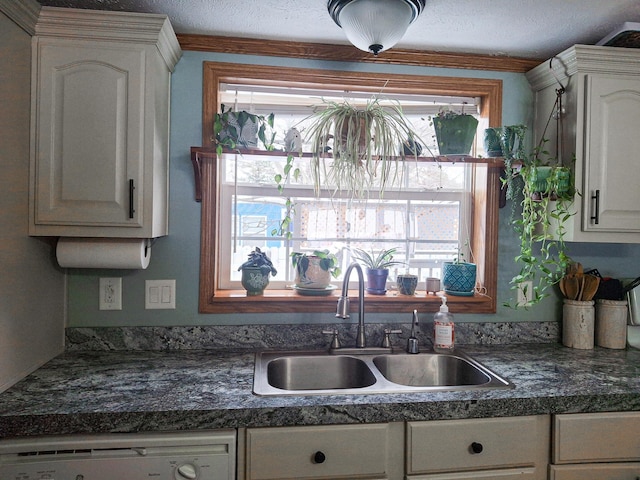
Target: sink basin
x=430, y=370
x=322, y=373
x=319, y=372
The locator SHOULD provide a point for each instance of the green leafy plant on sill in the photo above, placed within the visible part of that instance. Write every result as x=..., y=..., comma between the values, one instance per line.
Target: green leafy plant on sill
x=545, y=209
x=259, y=259
x=381, y=260
x=229, y=126
x=328, y=262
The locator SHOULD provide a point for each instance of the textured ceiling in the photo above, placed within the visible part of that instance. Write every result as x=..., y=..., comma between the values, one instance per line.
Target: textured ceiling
x=519, y=28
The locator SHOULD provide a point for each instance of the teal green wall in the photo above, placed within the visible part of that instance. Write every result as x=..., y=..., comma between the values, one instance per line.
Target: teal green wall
x=177, y=255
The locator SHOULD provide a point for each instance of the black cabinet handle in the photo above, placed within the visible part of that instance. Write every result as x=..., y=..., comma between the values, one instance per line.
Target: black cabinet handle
x=319, y=457
x=131, y=189
x=596, y=217
x=476, y=447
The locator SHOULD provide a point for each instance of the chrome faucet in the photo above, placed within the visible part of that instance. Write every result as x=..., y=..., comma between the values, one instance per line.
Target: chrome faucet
x=343, y=303
x=412, y=341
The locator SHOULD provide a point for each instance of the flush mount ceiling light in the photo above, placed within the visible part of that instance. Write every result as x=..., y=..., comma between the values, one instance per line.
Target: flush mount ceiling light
x=374, y=25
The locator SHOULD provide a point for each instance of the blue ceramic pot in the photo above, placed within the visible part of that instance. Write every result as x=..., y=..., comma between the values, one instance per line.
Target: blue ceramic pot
x=377, y=280
x=459, y=278
x=407, y=284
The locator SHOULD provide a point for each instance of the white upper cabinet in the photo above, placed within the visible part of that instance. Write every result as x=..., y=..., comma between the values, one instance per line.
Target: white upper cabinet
x=100, y=121
x=601, y=117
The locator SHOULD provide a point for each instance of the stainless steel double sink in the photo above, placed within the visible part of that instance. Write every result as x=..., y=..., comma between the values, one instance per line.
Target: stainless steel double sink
x=321, y=373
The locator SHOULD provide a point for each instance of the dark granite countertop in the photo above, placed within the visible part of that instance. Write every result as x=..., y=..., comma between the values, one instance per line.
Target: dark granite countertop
x=95, y=392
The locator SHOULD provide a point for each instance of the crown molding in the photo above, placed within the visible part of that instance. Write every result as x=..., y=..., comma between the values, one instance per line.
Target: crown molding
x=348, y=53
x=585, y=59
x=23, y=13
x=139, y=28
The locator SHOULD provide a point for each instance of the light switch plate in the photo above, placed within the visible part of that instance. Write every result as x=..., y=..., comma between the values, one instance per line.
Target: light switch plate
x=160, y=294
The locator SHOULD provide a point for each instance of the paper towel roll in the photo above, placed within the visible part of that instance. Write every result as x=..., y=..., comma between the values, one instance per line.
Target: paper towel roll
x=132, y=253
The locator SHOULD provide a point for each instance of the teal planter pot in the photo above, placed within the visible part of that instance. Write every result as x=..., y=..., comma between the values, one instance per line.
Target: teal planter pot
x=455, y=134
x=255, y=280
x=459, y=278
x=407, y=284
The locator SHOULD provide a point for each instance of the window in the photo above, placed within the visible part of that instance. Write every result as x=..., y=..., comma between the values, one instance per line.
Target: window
x=425, y=220
x=424, y=215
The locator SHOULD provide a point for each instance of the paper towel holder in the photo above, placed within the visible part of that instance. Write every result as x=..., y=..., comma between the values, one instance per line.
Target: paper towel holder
x=105, y=253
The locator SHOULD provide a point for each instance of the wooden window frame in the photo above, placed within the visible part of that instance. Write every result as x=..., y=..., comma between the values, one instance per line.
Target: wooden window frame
x=485, y=178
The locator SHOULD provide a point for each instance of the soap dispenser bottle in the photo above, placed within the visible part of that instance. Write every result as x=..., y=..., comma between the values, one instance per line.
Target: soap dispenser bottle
x=443, y=338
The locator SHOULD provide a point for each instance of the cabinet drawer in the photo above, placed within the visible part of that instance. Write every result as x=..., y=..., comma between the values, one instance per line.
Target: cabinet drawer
x=613, y=471
x=458, y=445
x=289, y=452
x=510, y=474
x=596, y=437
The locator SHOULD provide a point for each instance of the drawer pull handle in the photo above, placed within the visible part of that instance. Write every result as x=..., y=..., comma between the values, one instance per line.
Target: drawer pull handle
x=476, y=448
x=319, y=457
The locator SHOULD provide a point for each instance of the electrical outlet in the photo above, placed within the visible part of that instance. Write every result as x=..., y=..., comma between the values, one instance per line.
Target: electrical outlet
x=525, y=293
x=160, y=294
x=111, y=293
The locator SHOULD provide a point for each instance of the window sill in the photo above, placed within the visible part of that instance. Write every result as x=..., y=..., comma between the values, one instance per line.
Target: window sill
x=288, y=301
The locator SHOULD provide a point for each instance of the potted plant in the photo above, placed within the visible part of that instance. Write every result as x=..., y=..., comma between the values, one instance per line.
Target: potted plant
x=242, y=129
x=255, y=272
x=492, y=141
x=377, y=267
x=406, y=283
x=454, y=132
x=458, y=276
x=547, y=196
x=314, y=271
x=363, y=144
x=512, y=145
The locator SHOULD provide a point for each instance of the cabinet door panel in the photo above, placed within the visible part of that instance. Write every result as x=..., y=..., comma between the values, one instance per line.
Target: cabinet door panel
x=89, y=142
x=613, y=471
x=511, y=474
x=448, y=445
x=596, y=437
x=611, y=154
x=348, y=451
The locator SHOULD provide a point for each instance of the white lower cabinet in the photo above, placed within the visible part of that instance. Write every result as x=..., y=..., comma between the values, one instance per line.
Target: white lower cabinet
x=482, y=449
x=500, y=448
x=366, y=452
x=596, y=446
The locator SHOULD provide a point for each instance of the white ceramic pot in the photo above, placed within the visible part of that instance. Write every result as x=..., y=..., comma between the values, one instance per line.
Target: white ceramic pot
x=314, y=276
x=578, y=319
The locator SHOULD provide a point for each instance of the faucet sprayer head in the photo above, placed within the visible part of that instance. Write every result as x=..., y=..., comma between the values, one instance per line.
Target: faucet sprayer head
x=343, y=307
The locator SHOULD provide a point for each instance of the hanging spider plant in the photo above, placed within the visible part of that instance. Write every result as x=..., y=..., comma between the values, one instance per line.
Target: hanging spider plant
x=356, y=149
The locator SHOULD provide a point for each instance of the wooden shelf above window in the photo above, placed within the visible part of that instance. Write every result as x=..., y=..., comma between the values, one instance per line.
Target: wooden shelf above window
x=198, y=154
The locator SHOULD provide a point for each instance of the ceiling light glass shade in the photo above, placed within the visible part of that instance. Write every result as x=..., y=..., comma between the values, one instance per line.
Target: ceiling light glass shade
x=374, y=25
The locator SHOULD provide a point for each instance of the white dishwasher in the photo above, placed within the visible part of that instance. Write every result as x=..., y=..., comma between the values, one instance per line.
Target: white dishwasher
x=202, y=455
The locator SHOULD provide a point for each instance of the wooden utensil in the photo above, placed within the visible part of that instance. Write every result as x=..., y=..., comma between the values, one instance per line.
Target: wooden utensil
x=591, y=283
x=562, y=287
x=571, y=286
x=580, y=286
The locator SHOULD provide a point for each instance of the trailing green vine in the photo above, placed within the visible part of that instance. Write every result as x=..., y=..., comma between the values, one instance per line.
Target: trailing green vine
x=541, y=227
